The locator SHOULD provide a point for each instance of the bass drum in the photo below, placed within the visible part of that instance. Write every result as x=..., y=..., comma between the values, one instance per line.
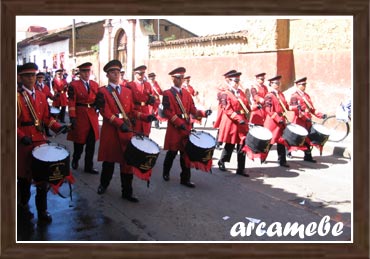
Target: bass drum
x=142, y=153
x=319, y=134
x=200, y=146
x=258, y=139
x=50, y=163
x=295, y=134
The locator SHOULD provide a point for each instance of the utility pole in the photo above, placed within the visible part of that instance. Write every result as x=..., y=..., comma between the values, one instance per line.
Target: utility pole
x=74, y=42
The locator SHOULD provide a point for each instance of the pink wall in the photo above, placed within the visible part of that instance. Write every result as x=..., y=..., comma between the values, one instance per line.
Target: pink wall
x=328, y=72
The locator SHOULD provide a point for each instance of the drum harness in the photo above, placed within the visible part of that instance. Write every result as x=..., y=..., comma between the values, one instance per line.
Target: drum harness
x=119, y=105
x=282, y=106
x=182, y=108
x=33, y=113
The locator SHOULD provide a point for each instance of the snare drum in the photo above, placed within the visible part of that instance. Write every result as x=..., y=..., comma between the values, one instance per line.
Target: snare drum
x=295, y=134
x=200, y=146
x=258, y=139
x=142, y=153
x=50, y=163
x=54, y=111
x=319, y=134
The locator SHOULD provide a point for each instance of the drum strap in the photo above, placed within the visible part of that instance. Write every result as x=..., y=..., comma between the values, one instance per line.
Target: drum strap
x=306, y=102
x=243, y=105
x=32, y=110
x=155, y=90
x=70, y=192
x=118, y=103
x=179, y=102
x=282, y=105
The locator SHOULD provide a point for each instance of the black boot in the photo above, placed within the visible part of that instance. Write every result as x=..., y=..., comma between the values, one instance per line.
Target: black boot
x=167, y=164
x=308, y=158
x=126, y=184
x=282, y=155
x=41, y=203
x=185, y=174
x=105, y=176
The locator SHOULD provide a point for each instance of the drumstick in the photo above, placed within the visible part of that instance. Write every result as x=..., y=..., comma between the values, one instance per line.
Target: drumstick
x=59, y=132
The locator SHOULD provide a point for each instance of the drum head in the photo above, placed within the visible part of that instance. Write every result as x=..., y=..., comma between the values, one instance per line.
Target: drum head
x=145, y=144
x=260, y=132
x=50, y=152
x=322, y=129
x=202, y=139
x=54, y=110
x=297, y=129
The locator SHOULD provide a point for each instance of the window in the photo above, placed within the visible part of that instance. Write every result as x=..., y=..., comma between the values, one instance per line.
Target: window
x=166, y=28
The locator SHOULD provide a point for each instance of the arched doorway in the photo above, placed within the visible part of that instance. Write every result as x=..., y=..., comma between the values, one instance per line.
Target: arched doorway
x=120, y=47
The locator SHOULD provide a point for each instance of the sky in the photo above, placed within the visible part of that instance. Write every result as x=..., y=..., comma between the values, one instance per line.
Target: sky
x=200, y=25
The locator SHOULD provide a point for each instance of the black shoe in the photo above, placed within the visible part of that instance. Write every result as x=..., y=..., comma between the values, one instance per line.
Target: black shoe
x=221, y=165
x=289, y=155
x=242, y=173
x=92, y=171
x=284, y=164
x=45, y=216
x=130, y=198
x=74, y=164
x=48, y=135
x=188, y=184
x=166, y=177
x=309, y=159
x=101, y=189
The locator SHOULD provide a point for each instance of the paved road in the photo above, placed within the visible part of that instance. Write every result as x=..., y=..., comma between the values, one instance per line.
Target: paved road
x=168, y=211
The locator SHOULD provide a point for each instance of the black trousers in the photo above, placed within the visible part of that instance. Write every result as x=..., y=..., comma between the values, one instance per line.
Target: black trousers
x=168, y=161
x=228, y=151
x=106, y=177
x=89, y=150
x=24, y=188
x=62, y=114
x=281, y=153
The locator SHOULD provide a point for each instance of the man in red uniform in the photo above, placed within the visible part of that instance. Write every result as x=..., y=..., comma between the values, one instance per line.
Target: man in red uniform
x=221, y=89
x=123, y=80
x=275, y=120
x=178, y=105
x=60, y=93
x=143, y=98
x=157, y=94
x=186, y=85
x=83, y=116
x=258, y=92
x=116, y=131
x=234, y=123
x=302, y=105
x=41, y=86
x=32, y=112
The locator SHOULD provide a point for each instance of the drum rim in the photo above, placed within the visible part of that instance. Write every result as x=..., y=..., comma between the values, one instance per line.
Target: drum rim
x=321, y=126
x=298, y=126
x=266, y=129
x=145, y=137
x=201, y=132
x=50, y=144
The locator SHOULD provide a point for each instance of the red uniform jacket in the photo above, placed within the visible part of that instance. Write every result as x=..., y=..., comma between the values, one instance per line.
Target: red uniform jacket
x=190, y=89
x=60, y=94
x=45, y=89
x=79, y=108
x=258, y=94
x=231, y=131
x=175, y=138
x=141, y=94
x=113, y=141
x=41, y=107
x=157, y=92
x=274, y=114
x=304, y=113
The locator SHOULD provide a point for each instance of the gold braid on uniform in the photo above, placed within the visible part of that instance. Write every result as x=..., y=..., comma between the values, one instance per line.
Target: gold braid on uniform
x=19, y=111
x=232, y=116
x=138, y=115
x=174, y=118
x=112, y=118
x=72, y=108
x=51, y=123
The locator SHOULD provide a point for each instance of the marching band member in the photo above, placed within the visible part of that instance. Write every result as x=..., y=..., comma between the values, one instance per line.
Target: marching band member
x=157, y=94
x=143, y=98
x=221, y=89
x=178, y=105
x=301, y=104
x=32, y=113
x=60, y=86
x=41, y=86
x=117, y=130
x=82, y=106
x=234, y=123
x=258, y=92
x=275, y=120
